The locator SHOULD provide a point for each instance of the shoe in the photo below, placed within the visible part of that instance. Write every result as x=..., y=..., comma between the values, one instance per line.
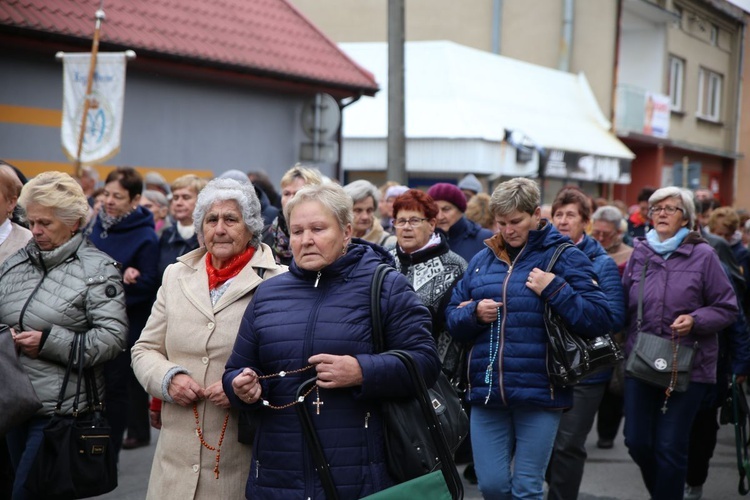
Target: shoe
x=605, y=444
x=132, y=443
x=693, y=492
x=470, y=474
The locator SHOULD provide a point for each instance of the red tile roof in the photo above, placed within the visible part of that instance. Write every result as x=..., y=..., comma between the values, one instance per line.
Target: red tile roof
x=264, y=37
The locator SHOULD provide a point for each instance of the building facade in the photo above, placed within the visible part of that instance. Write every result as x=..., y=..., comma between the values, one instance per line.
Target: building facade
x=666, y=72
x=214, y=86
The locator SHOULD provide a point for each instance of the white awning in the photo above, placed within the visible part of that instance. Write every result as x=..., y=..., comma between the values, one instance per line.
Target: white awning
x=459, y=103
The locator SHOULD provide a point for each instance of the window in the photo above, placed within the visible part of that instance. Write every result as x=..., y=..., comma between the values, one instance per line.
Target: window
x=676, y=82
x=709, y=95
x=714, y=35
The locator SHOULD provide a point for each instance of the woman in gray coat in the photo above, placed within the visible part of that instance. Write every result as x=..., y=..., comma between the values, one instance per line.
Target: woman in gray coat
x=57, y=286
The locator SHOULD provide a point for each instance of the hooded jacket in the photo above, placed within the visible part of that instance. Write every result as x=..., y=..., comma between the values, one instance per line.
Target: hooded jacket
x=133, y=243
x=301, y=313
x=72, y=289
x=519, y=372
x=691, y=281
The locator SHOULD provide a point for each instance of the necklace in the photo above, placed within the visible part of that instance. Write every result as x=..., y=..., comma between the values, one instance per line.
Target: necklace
x=216, y=448
x=300, y=399
x=494, y=339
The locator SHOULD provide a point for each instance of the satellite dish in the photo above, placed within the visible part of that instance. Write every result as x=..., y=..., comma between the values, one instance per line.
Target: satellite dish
x=321, y=118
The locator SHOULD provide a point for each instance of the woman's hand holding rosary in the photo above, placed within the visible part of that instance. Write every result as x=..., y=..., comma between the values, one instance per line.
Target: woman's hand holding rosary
x=246, y=386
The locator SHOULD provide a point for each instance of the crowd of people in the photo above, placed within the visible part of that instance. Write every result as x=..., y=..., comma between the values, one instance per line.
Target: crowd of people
x=207, y=304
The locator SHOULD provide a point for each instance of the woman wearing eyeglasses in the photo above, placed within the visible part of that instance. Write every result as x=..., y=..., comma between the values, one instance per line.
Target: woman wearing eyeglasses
x=423, y=256
x=686, y=297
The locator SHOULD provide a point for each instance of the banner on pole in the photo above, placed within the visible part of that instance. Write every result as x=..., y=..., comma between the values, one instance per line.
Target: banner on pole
x=101, y=140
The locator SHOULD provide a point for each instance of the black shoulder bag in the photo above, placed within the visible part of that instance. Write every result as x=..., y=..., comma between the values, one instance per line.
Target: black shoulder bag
x=421, y=433
x=76, y=458
x=572, y=357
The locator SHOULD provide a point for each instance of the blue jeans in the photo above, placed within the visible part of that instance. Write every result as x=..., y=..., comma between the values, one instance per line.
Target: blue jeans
x=23, y=444
x=520, y=436
x=658, y=442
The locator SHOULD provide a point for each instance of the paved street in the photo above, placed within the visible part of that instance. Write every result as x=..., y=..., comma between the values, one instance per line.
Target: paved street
x=610, y=474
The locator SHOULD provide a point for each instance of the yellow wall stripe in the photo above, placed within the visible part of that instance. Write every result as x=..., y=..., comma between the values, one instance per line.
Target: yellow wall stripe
x=31, y=168
x=25, y=115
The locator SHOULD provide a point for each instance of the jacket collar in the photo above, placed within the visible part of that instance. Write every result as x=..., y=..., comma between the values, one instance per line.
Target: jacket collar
x=52, y=258
x=536, y=238
x=195, y=284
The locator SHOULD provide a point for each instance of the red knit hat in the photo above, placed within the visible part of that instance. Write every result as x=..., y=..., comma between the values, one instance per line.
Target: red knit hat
x=442, y=191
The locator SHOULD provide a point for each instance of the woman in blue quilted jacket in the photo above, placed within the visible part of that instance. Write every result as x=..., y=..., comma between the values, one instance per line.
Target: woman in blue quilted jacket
x=499, y=306
x=314, y=321
x=571, y=213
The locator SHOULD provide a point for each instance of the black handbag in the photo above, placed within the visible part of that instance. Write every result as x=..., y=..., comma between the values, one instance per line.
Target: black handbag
x=18, y=398
x=77, y=458
x=572, y=357
x=652, y=358
x=410, y=450
x=441, y=484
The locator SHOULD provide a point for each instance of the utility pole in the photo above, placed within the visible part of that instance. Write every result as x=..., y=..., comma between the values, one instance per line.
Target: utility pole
x=396, y=130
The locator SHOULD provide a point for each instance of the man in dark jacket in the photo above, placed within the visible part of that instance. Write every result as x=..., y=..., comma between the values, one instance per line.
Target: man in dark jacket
x=465, y=237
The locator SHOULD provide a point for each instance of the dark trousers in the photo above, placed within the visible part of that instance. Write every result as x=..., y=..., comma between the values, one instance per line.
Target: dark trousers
x=658, y=442
x=138, y=424
x=609, y=416
x=702, y=445
x=116, y=400
x=139, y=427
x=565, y=469
x=6, y=470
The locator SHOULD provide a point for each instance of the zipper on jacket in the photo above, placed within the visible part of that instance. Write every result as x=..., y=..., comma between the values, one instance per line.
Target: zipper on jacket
x=500, y=382
x=317, y=279
x=546, y=363
x=257, y=468
x=367, y=420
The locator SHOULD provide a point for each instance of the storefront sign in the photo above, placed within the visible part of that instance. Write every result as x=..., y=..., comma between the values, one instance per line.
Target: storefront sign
x=586, y=167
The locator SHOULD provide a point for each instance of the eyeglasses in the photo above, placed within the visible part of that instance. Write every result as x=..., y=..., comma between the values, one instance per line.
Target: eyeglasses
x=413, y=222
x=669, y=210
x=602, y=234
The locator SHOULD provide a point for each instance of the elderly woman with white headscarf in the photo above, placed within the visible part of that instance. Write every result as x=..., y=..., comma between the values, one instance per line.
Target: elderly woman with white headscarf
x=181, y=353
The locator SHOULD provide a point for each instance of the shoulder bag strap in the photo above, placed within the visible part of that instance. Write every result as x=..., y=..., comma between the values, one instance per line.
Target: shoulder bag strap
x=313, y=442
x=558, y=251
x=375, y=289
x=639, y=319
x=66, y=377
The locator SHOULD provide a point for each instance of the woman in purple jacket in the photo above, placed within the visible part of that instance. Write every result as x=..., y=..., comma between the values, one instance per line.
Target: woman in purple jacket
x=685, y=292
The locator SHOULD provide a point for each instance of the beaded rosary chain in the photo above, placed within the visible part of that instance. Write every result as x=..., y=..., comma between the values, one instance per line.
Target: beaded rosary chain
x=282, y=374
x=216, y=448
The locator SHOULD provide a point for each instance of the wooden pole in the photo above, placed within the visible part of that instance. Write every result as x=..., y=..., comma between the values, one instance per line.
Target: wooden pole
x=87, y=104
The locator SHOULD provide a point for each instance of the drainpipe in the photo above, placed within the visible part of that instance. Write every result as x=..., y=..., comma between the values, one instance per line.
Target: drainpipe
x=738, y=113
x=566, y=43
x=615, y=78
x=340, y=136
x=497, y=22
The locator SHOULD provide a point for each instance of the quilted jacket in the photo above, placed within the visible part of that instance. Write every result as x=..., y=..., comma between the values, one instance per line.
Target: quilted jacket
x=73, y=288
x=301, y=313
x=609, y=280
x=518, y=375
